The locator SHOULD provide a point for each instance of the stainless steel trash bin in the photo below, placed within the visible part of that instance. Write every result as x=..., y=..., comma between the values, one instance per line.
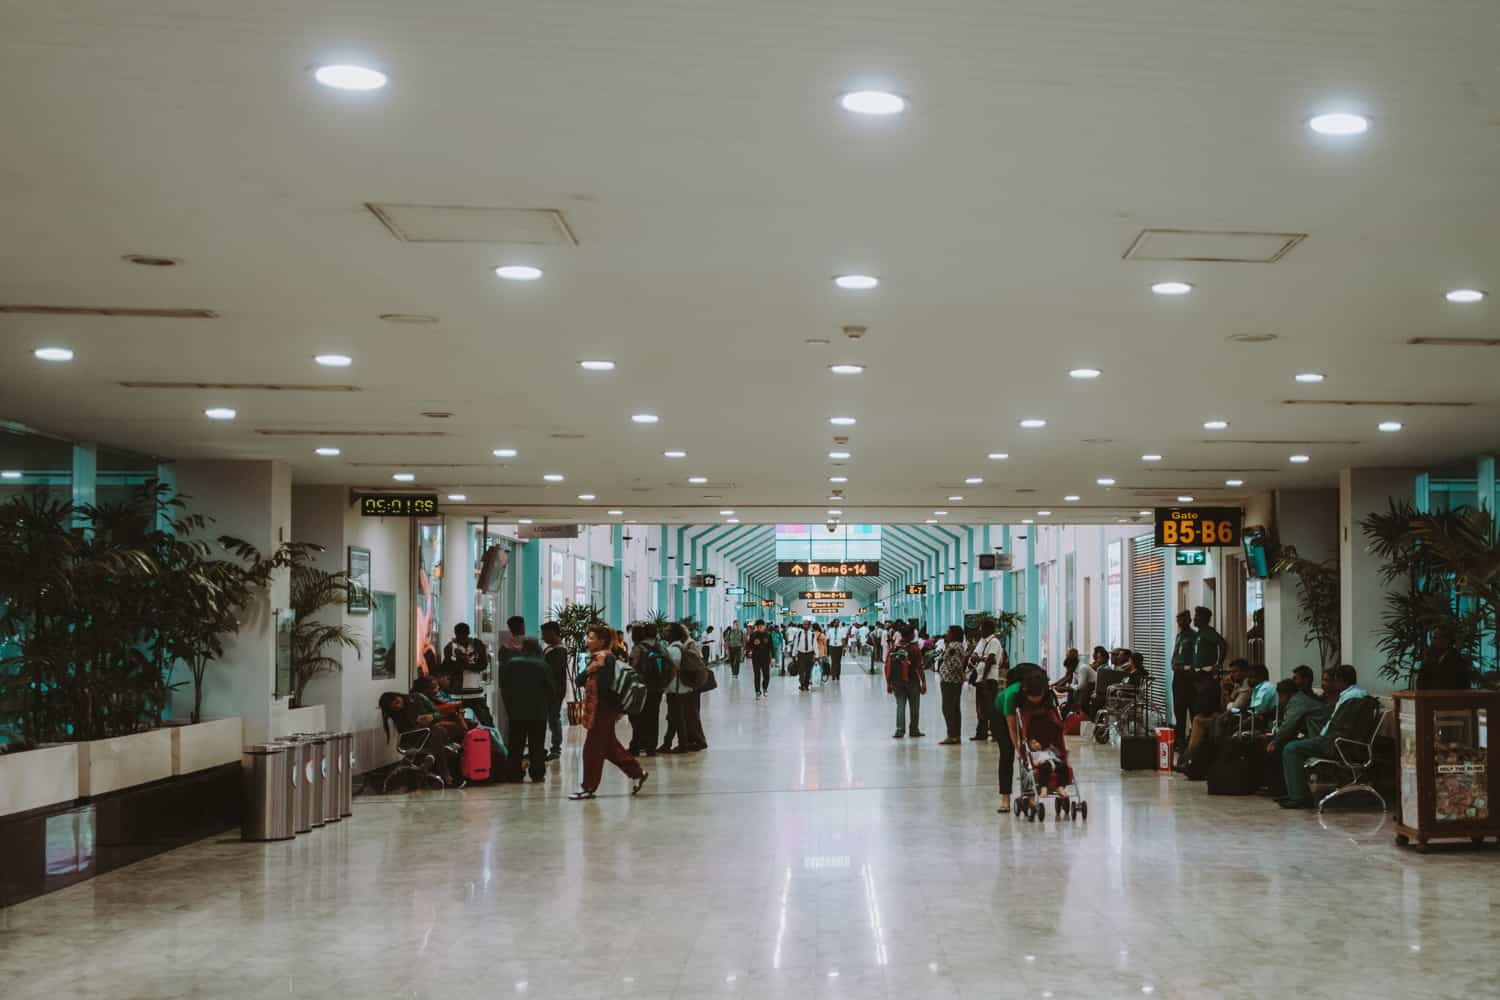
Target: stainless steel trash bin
x=346, y=787
x=332, y=777
x=315, y=767
x=268, y=815
x=299, y=781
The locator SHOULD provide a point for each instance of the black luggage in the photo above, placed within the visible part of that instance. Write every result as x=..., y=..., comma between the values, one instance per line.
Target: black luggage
x=1137, y=753
x=1231, y=773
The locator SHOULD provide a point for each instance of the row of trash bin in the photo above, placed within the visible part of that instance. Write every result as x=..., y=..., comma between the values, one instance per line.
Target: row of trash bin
x=298, y=783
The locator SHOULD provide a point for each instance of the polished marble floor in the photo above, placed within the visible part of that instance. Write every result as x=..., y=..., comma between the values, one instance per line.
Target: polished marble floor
x=806, y=854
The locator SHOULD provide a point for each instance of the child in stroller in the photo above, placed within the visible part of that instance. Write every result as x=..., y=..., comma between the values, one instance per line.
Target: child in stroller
x=1043, y=752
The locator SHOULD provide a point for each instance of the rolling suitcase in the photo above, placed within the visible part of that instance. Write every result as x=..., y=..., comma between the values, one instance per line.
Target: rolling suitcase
x=475, y=757
x=1230, y=772
x=1137, y=753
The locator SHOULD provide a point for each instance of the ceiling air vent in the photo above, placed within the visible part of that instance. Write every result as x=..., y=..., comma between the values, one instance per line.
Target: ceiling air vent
x=279, y=432
x=1454, y=341
x=242, y=386
x=1384, y=404
x=1216, y=246
x=474, y=224
x=119, y=312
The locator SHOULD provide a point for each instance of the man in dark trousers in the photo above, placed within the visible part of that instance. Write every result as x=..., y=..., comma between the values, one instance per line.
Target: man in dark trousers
x=760, y=659
x=1182, y=674
x=527, y=691
x=558, y=660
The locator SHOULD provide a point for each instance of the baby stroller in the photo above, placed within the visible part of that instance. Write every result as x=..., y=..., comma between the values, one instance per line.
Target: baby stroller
x=1046, y=722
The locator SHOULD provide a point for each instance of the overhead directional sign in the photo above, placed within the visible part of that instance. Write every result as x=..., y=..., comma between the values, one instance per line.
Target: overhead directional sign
x=1192, y=557
x=768, y=604
x=825, y=607
x=825, y=595
x=735, y=591
x=750, y=604
x=1197, y=527
x=870, y=567
x=916, y=588
x=955, y=588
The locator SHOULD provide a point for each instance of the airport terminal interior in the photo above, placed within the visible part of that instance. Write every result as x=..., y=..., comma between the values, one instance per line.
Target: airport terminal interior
x=573, y=499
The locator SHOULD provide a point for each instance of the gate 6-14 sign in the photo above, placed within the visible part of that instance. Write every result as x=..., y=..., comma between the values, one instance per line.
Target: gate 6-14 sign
x=1197, y=527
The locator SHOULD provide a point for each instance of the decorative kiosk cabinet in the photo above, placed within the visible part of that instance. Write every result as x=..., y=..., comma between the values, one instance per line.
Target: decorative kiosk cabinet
x=1447, y=765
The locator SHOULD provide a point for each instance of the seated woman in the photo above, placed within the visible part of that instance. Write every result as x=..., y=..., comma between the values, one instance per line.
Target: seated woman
x=402, y=712
x=430, y=700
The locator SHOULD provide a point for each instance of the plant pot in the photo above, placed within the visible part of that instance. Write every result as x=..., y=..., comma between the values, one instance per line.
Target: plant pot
x=308, y=719
x=36, y=778
x=109, y=765
x=206, y=744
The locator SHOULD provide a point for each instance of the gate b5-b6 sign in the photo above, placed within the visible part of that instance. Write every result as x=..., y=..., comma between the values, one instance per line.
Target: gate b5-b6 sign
x=1198, y=527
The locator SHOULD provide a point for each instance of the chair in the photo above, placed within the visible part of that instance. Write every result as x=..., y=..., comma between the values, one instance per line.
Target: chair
x=1355, y=760
x=416, y=759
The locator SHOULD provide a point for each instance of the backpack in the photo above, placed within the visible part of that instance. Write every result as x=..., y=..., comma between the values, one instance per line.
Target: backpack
x=900, y=664
x=692, y=671
x=626, y=691
x=652, y=667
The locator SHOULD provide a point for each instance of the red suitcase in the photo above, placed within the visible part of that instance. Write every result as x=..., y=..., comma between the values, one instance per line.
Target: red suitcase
x=474, y=760
x=1073, y=724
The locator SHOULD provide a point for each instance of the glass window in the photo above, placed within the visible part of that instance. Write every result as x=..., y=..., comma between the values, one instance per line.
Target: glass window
x=845, y=543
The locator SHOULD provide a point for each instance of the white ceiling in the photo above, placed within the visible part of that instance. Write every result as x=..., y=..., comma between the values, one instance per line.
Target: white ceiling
x=698, y=153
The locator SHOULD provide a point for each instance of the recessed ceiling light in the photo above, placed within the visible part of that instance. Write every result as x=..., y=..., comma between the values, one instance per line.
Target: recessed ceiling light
x=614, y=513
x=697, y=480
x=645, y=418
x=731, y=520
x=726, y=513
x=1143, y=513
x=403, y=477
x=518, y=272
x=955, y=499
x=1215, y=425
x=1072, y=498
x=1464, y=295
x=1027, y=520
x=1338, y=123
x=1389, y=426
x=1300, y=459
x=457, y=497
x=857, y=282
x=998, y=456
x=219, y=413
x=1044, y=513
x=334, y=360
x=327, y=452
x=873, y=102
x=834, y=498
x=587, y=496
x=1085, y=373
x=343, y=76
x=10, y=474
x=1171, y=288
x=523, y=520
x=940, y=513
x=931, y=520
x=552, y=477
x=674, y=454
x=842, y=421
x=1033, y=423
x=973, y=480
x=53, y=354
x=847, y=369
x=1309, y=377
x=504, y=453
x=838, y=456
x=1105, y=481
x=1151, y=456
x=834, y=512
x=1234, y=482
x=1184, y=499
x=838, y=479
x=597, y=366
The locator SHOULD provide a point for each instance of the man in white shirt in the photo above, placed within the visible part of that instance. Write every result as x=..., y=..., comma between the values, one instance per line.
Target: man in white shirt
x=804, y=647
x=837, y=634
x=988, y=661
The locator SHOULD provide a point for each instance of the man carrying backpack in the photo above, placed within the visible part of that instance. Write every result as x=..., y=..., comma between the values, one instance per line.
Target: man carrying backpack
x=649, y=659
x=906, y=679
x=734, y=643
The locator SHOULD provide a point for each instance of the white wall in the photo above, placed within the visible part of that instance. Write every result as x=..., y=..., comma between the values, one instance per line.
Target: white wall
x=1362, y=594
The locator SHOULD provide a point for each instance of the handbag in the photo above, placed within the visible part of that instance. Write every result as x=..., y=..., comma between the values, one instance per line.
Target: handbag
x=575, y=713
x=710, y=684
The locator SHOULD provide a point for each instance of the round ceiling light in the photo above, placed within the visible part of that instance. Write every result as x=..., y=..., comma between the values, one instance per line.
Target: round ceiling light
x=1085, y=373
x=940, y=513
x=1234, y=482
x=1464, y=296
x=53, y=354
x=1215, y=425
x=457, y=497
x=698, y=480
x=1105, y=481
x=847, y=369
x=1033, y=423
x=1309, y=377
x=219, y=413
x=10, y=474
x=597, y=366
x=552, y=477
x=973, y=480
x=1027, y=520
x=1072, y=498
x=1044, y=513
x=931, y=520
x=842, y=421
x=1151, y=456
x=587, y=496
x=955, y=499
x=344, y=76
x=838, y=479
x=615, y=513
x=834, y=511
x=998, y=456
x=1339, y=123
x=518, y=272
x=403, y=477
x=857, y=282
x=327, y=452
x=1300, y=459
x=873, y=102
x=523, y=520
x=838, y=456
x=731, y=520
x=674, y=454
x=504, y=453
x=1143, y=513
x=1389, y=426
x=1184, y=499
x=726, y=513
x=834, y=498
x=334, y=360
x=645, y=418
x=1171, y=288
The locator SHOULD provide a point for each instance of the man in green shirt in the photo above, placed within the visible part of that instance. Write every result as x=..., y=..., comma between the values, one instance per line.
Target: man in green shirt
x=1183, y=651
x=734, y=644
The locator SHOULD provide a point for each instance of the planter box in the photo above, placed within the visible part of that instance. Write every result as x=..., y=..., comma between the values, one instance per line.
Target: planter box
x=205, y=745
x=36, y=778
x=108, y=765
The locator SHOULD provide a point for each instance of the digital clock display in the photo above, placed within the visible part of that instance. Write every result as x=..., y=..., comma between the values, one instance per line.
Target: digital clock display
x=398, y=505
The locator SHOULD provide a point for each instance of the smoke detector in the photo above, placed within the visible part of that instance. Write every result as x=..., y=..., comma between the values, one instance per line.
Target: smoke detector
x=854, y=332
x=841, y=439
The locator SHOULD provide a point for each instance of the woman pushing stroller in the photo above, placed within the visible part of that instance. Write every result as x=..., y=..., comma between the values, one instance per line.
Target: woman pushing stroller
x=1042, y=749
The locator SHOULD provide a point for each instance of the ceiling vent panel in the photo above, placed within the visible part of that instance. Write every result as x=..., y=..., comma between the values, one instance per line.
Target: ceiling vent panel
x=1216, y=246
x=288, y=432
x=1384, y=404
x=1454, y=341
x=242, y=386
x=474, y=224
x=118, y=312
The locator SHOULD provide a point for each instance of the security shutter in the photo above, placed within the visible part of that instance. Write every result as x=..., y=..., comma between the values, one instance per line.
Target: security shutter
x=1148, y=614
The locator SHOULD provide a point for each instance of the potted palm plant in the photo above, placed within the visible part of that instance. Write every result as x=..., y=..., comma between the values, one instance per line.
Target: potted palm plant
x=1317, y=601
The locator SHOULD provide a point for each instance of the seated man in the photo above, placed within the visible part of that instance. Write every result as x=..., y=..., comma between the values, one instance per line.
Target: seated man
x=1303, y=676
x=1343, y=685
x=1299, y=715
x=1260, y=704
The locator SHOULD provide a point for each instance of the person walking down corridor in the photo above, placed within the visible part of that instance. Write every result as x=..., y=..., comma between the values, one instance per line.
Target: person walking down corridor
x=734, y=643
x=952, y=663
x=761, y=651
x=838, y=635
x=906, y=679
x=526, y=686
x=804, y=650
x=600, y=716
